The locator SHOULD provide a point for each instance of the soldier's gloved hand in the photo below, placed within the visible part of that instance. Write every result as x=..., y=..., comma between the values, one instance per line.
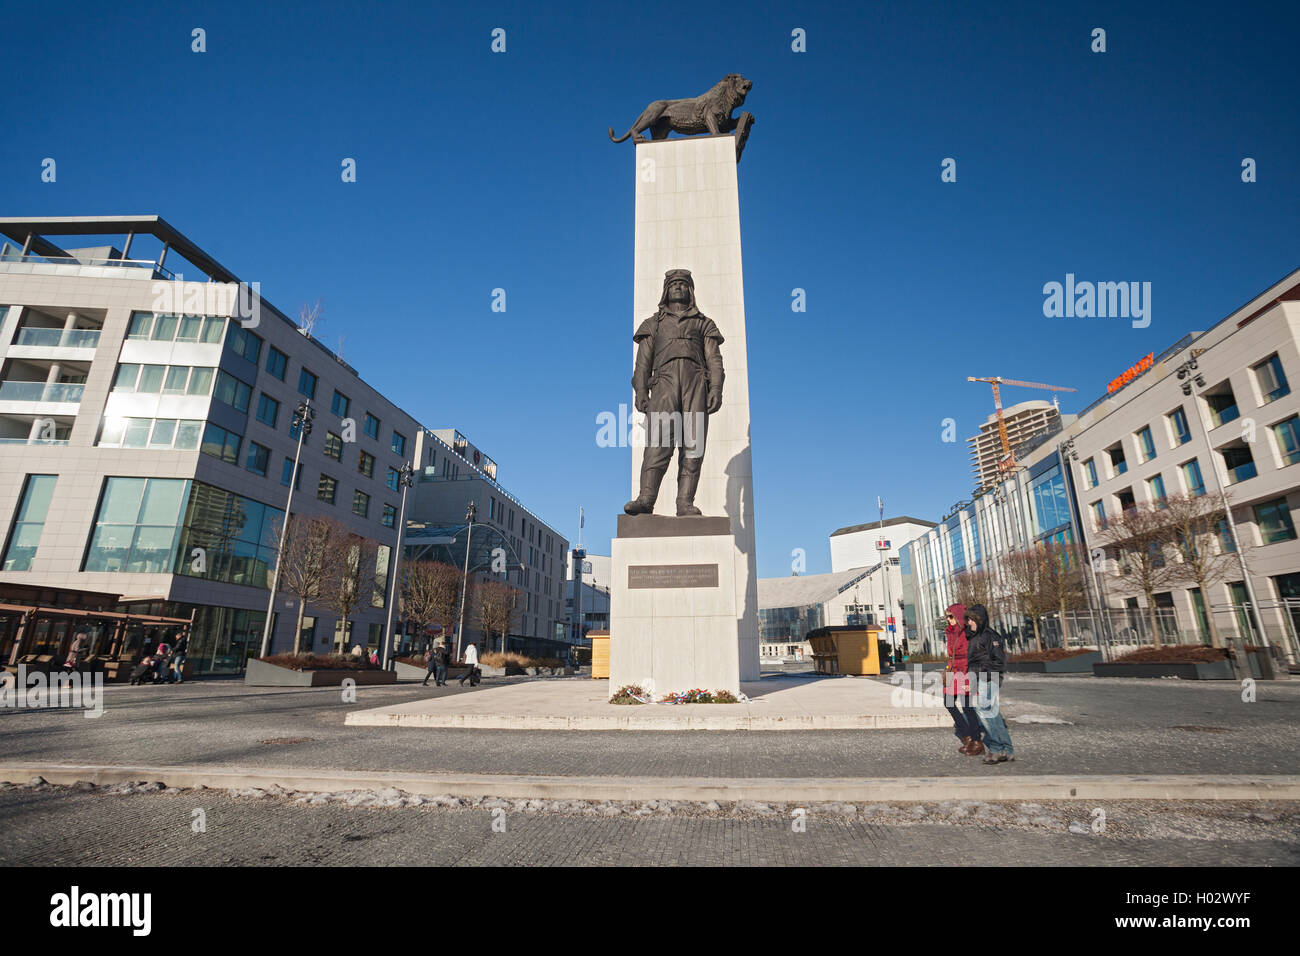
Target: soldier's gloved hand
x=642, y=401
x=715, y=401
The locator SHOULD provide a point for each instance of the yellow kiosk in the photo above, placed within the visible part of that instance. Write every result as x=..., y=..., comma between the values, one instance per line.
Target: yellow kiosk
x=846, y=650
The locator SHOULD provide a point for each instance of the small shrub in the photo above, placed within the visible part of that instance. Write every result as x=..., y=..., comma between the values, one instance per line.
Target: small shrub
x=700, y=696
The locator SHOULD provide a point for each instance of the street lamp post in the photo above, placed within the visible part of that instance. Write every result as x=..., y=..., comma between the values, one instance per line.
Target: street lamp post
x=470, y=512
x=405, y=479
x=302, y=419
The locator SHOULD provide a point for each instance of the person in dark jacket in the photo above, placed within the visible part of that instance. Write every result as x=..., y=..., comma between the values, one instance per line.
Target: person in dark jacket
x=987, y=659
x=956, y=686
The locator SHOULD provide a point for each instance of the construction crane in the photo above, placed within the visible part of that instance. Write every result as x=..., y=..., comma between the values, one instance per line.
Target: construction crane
x=1008, y=462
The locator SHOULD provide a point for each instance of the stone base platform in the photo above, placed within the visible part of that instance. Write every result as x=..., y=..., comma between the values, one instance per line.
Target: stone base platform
x=776, y=703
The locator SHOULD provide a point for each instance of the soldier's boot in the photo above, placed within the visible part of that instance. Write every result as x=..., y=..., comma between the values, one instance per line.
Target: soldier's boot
x=686, y=485
x=644, y=503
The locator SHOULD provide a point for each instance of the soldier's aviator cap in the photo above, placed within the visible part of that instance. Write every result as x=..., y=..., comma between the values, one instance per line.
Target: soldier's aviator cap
x=685, y=276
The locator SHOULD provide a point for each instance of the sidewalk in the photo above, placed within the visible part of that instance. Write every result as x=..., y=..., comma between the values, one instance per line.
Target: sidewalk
x=776, y=702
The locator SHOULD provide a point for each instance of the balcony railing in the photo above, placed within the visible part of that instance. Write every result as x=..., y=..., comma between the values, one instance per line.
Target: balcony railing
x=59, y=338
x=1241, y=472
x=87, y=262
x=33, y=441
x=40, y=392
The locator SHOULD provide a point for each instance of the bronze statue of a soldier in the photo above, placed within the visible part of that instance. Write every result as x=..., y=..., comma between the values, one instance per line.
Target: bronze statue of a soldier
x=678, y=382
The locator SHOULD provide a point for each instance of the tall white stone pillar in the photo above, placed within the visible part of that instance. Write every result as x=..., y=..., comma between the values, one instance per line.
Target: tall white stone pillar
x=688, y=217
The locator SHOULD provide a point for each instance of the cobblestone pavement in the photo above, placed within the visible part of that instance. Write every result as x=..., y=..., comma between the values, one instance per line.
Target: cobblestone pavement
x=46, y=826
x=1113, y=726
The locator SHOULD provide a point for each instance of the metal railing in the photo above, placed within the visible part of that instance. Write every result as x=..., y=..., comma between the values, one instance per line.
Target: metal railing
x=91, y=261
x=59, y=338
x=40, y=392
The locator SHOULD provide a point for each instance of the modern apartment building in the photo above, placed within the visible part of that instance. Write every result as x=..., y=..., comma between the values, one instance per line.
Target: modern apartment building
x=147, y=441
x=1214, y=411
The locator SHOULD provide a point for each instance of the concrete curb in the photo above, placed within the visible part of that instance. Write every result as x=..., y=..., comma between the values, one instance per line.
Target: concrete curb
x=667, y=722
x=699, y=789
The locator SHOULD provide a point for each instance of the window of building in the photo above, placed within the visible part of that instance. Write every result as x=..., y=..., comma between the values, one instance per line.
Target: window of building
x=1239, y=462
x=29, y=520
x=1090, y=472
x=1118, y=464
x=276, y=362
x=220, y=443
x=1225, y=537
x=1178, y=429
x=136, y=525
x=1146, y=444
x=259, y=457
x=238, y=535
x=1274, y=520
x=394, y=479
x=1287, y=434
x=182, y=435
x=245, y=343
x=286, y=475
x=366, y=464
x=360, y=503
x=340, y=404
x=399, y=443
x=333, y=446
x=1099, y=514
x=268, y=410
x=1156, y=489
x=1271, y=379
x=326, y=489
x=371, y=426
x=1051, y=504
x=307, y=383
x=1222, y=404
x=232, y=391
x=1125, y=499
x=1192, y=477
x=390, y=516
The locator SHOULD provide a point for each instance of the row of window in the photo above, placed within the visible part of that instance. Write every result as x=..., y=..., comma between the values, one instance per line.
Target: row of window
x=1271, y=381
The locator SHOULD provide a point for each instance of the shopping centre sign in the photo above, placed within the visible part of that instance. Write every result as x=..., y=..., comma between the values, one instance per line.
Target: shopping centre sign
x=1142, y=366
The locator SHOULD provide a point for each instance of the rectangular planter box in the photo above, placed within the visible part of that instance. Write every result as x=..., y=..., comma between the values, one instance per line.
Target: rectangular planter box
x=407, y=672
x=262, y=674
x=1199, y=670
x=1079, y=664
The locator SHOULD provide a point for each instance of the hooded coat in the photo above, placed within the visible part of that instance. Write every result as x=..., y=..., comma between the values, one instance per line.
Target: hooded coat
x=985, y=649
x=955, y=681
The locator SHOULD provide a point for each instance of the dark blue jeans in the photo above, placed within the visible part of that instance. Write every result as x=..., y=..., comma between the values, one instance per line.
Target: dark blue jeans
x=996, y=737
x=440, y=674
x=966, y=722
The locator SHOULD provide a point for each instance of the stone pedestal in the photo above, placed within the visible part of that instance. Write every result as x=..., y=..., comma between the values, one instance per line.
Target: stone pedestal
x=688, y=217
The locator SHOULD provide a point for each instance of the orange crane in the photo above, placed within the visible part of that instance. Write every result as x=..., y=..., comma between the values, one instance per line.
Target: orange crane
x=1008, y=463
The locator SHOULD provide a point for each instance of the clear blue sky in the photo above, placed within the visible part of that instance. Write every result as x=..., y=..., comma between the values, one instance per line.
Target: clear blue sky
x=478, y=171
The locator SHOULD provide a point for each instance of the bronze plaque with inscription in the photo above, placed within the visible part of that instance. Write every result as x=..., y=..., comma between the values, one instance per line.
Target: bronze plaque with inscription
x=672, y=576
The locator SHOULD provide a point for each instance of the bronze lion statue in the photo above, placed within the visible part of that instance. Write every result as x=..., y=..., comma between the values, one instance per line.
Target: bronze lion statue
x=710, y=113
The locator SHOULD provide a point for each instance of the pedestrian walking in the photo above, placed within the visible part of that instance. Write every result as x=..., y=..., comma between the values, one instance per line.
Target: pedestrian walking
x=180, y=650
x=77, y=652
x=986, y=657
x=956, y=686
x=471, y=658
x=430, y=664
x=442, y=655
x=160, y=657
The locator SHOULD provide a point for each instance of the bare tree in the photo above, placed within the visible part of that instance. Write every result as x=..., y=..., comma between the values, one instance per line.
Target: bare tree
x=1026, y=576
x=312, y=545
x=309, y=316
x=353, y=581
x=1063, y=578
x=431, y=594
x=973, y=586
x=1196, y=522
x=495, y=603
x=1139, y=535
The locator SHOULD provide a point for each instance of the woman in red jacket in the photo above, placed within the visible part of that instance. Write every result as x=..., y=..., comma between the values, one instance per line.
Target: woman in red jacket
x=956, y=686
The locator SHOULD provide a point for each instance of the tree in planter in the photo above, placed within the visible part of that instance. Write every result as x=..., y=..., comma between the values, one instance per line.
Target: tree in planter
x=1063, y=579
x=431, y=594
x=1196, y=522
x=353, y=581
x=1139, y=536
x=1026, y=575
x=309, y=561
x=495, y=604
